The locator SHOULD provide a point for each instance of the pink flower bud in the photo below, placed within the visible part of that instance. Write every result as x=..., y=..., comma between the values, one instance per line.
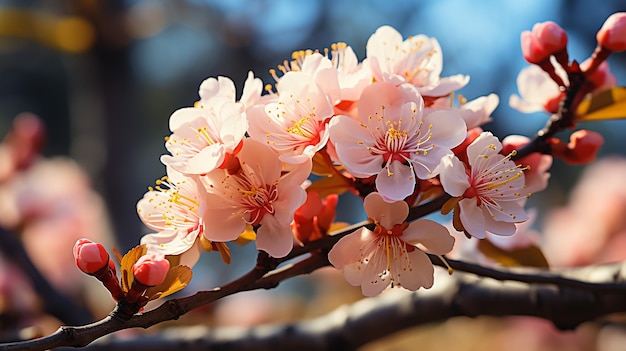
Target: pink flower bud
x=550, y=36
x=151, y=269
x=582, y=148
x=532, y=51
x=90, y=257
x=612, y=35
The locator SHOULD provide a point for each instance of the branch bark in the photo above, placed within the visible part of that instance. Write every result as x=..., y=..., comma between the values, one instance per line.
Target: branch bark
x=461, y=294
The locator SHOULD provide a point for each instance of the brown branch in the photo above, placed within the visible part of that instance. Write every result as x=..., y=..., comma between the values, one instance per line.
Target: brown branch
x=350, y=327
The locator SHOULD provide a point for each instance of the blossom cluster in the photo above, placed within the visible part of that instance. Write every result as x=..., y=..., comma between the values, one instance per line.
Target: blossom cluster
x=388, y=128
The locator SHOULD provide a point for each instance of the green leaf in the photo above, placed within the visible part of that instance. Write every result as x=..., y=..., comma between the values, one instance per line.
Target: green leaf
x=529, y=256
x=605, y=105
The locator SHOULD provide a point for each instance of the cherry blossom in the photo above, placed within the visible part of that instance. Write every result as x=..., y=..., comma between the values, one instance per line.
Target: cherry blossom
x=256, y=193
x=418, y=60
x=537, y=174
x=172, y=209
x=393, y=253
x=491, y=193
x=204, y=138
x=538, y=92
x=393, y=140
x=295, y=125
x=475, y=113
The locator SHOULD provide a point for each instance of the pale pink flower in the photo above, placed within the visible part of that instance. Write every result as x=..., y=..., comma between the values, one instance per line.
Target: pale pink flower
x=295, y=126
x=203, y=138
x=492, y=192
x=256, y=194
x=353, y=76
x=418, y=60
x=538, y=164
x=172, y=209
x=393, y=253
x=475, y=113
x=393, y=140
x=537, y=91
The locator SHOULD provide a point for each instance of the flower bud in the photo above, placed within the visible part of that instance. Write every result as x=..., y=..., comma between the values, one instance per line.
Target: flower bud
x=531, y=49
x=582, y=148
x=612, y=35
x=550, y=37
x=90, y=257
x=151, y=269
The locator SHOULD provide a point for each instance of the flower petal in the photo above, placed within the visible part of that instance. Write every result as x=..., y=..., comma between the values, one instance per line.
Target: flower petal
x=431, y=235
x=396, y=183
x=388, y=214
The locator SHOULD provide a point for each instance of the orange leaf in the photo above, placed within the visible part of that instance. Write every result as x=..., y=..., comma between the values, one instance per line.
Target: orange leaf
x=329, y=185
x=177, y=278
x=530, y=256
x=126, y=265
x=605, y=105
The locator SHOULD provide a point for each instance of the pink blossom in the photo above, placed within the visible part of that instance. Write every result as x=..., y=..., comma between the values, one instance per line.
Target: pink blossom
x=538, y=92
x=172, y=209
x=393, y=252
x=393, y=140
x=475, y=113
x=537, y=174
x=203, y=138
x=295, y=125
x=418, y=60
x=491, y=193
x=257, y=193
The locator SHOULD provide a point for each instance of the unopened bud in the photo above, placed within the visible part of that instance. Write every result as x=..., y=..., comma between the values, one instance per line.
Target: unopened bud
x=582, y=148
x=90, y=257
x=151, y=270
x=550, y=36
x=532, y=51
x=612, y=35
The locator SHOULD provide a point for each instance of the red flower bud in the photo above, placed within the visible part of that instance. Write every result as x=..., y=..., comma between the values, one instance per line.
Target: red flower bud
x=582, y=148
x=531, y=49
x=612, y=35
x=151, y=269
x=550, y=36
x=90, y=257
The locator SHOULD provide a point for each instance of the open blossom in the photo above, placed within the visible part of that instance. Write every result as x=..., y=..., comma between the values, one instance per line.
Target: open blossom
x=203, y=138
x=475, y=113
x=538, y=92
x=538, y=164
x=256, y=193
x=393, y=140
x=295, y=125
x=491, y=193
x=392, y=252
x=172, y=209
x=418, y=60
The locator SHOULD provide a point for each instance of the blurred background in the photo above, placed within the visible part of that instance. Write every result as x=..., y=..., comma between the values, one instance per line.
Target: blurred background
x=104, y=76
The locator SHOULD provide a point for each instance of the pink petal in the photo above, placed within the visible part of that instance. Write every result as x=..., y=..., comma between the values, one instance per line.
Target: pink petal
x=168, y=242
x=274, y=237
x=388, y=214
x=480, y=147
x=399, y=184
x=420, y=274
x=206, y=160
x=453, y=176
x=472, y=218
x=221, y=224
x=431, y=235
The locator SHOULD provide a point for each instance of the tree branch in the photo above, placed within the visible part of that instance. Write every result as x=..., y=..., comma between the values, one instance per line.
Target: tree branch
x=350, y=327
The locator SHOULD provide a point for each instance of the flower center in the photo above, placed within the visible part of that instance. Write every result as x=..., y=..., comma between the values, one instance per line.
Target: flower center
x=258, y=201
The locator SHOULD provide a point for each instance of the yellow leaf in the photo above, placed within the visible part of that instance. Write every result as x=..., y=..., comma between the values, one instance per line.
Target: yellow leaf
x=329, y=185
x=126, y=265
x=530, y=256
x=605, y=105
x=321, y=165
x=177, y=278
